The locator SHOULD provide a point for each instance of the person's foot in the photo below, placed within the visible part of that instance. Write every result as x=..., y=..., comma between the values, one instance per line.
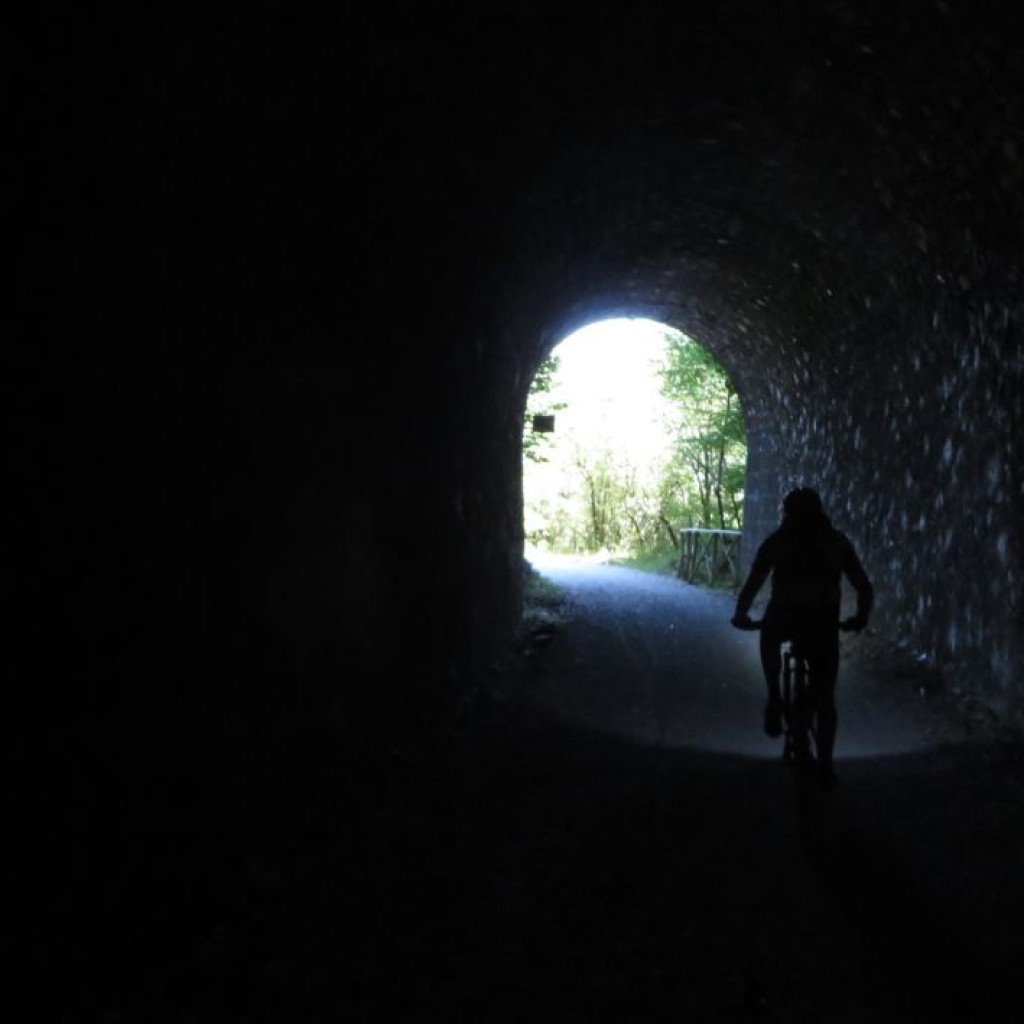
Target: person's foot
x=773, y=718
x=827, y=777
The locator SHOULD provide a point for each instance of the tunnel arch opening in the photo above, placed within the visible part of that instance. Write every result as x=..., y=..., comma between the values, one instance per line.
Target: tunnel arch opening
x=633, y=434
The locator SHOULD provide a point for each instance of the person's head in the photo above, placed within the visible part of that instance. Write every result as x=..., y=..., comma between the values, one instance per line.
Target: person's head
x=802, y=505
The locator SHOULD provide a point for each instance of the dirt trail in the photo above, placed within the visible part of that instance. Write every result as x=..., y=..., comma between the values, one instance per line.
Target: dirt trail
x=895, y=898
x=611, y=839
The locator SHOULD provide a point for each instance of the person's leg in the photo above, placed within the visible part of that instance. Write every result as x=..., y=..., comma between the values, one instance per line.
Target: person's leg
x=771, y=663
x=824, y=666
x=827, y=721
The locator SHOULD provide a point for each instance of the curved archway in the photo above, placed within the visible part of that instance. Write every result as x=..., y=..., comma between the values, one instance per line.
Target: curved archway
x=632, y=433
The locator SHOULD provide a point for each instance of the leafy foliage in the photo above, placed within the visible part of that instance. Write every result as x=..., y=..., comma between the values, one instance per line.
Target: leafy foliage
x=705, y=480
x=605, y=502
x=536, y=443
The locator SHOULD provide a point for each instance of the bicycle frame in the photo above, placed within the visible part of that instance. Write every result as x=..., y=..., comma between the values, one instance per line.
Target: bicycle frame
x=797, y=716
x=801, y=739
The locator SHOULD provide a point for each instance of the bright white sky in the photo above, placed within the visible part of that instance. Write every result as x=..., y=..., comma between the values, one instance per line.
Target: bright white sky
x=606, y=376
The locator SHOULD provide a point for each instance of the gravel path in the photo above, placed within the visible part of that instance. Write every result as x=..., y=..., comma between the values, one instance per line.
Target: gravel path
x=611, y=839
x=896, y=898
x=655, y=661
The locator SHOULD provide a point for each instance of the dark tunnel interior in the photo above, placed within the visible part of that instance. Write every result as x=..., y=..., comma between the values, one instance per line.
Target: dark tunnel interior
x=287, y=271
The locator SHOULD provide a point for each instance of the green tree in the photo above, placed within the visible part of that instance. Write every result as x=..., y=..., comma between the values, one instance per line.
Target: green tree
x=606, y=482
x=537, y=443
x=705, y=481
x=588, y=493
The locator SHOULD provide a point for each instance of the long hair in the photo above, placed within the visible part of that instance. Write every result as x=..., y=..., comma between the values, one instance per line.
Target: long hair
x=802, y=508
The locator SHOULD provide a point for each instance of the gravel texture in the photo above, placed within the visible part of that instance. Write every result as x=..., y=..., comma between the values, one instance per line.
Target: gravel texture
x=608, y=836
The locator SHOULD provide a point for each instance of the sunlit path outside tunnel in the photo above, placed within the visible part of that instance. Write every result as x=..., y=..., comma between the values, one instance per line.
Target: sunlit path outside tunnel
x=633, y=431
x=609, y=419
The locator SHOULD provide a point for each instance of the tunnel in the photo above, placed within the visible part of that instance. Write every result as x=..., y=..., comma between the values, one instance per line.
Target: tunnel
x=315, y=297
x=288, y=294
x=289, y=271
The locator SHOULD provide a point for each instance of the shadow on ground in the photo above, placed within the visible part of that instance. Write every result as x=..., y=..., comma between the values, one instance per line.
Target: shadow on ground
x=527, y=870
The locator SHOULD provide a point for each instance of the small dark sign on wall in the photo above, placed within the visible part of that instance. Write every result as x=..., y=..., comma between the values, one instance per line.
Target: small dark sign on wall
x=544, y=424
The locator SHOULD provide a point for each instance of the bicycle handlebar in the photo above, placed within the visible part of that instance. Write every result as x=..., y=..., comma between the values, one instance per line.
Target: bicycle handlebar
x=749, y=626
x=753, y=625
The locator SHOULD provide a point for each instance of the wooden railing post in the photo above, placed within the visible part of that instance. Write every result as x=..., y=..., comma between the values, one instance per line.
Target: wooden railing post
x=709, y=556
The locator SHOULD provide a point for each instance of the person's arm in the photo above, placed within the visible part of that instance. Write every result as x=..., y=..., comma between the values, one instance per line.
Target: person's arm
x=759, y=572
x=865, y=591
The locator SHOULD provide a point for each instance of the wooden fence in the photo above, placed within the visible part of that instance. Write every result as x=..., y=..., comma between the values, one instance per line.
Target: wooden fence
x=710, y=557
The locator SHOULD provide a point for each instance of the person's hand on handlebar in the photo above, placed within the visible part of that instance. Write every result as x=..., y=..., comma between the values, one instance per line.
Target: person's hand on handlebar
x=742, y=621
x=854, y=624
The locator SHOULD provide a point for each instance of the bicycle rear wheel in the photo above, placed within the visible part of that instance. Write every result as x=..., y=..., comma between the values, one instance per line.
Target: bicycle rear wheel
x=788, y=713
x=803, y=714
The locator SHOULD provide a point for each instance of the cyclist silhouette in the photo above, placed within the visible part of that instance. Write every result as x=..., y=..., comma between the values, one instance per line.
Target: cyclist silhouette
x=806, y=558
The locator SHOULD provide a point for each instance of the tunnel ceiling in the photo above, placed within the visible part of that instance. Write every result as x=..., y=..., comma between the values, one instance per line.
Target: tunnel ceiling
x=704, y=162
x=699, y=160
x=788, y=175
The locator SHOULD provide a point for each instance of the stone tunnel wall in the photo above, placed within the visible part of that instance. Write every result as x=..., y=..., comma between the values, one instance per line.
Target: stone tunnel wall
x=917, y=456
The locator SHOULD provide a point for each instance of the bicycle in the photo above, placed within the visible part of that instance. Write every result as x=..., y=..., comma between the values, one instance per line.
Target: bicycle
x=798, y=719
